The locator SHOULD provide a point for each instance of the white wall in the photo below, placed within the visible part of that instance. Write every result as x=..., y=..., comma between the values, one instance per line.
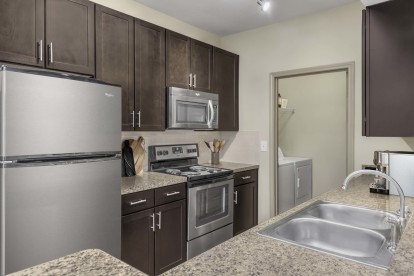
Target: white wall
x=137, y=10
x=324, y=38
x=318, y=127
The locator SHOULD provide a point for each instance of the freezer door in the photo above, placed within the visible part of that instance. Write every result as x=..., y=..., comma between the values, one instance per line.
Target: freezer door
x=49, y=115
x=52, y=211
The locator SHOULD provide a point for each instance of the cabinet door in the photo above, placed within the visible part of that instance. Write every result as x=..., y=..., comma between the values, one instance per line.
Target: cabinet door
x=303, y=184
x=70, y=36
x=245, y=207
x=201, y=65
x=137, y=246
x=149, y=76
x=177, y=60
x=115, y=56
x=389, y=58
x=170, y=236
x=226, y=84
x=22, y=31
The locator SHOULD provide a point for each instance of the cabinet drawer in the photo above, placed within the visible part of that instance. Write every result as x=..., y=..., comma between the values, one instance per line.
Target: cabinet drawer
x=245, y=177
x=137, y=201
x=170, y=193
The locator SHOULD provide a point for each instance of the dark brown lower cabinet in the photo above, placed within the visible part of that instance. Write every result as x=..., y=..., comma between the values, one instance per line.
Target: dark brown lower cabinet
x=138, y=241
x=170, y=236
x=245, y=202
x=154, y=240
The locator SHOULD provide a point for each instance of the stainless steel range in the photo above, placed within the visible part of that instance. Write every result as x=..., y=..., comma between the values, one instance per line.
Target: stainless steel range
x=209, y=198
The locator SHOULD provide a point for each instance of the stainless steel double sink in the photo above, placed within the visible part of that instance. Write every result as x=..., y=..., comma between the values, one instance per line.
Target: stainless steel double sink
x=350, y=232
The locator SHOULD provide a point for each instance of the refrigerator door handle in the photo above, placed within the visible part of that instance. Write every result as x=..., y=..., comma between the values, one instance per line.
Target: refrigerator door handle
x=60, y=160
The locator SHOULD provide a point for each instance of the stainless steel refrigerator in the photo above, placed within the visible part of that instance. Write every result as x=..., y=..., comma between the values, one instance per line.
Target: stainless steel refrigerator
x=60, y=167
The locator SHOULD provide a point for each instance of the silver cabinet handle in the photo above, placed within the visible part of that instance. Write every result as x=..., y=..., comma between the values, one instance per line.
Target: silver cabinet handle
x=133, y=118
x=246, y=177
x=132, y=203
x=159, y=220
x=51, y=53
x=195, y=81
x=139, y=118
x=191, y=81
x=153, y=222
x=171, y=194
x=40, y=50
x=235, y=197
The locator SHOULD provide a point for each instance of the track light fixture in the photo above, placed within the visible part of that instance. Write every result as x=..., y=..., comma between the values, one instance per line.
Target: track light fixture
x=263, y=4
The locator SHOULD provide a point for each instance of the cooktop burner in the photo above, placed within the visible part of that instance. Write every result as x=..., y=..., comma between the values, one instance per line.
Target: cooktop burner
x=182, y=160
x=197, y=172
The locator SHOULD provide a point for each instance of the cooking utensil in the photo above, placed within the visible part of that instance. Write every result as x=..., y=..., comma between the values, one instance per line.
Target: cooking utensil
x=208, y=146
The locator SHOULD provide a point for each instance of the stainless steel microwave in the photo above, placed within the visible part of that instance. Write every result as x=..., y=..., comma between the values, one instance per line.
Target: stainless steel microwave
x=190, y=109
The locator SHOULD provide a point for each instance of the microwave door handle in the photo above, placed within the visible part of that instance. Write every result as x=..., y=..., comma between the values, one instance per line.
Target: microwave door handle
x=211, y=113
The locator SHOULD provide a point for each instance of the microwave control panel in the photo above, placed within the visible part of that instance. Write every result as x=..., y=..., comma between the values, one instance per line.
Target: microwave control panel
x=175, y=151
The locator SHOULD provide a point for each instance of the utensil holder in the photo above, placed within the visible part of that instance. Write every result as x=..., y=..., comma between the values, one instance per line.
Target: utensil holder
x=215, y=158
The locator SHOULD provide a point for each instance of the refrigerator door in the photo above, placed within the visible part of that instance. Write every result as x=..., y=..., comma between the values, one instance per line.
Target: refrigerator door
x=401, y=169
x=52, y=210
x=42, y=114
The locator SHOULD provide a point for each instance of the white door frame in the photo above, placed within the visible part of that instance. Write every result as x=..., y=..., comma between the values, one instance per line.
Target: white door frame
x=349, y=68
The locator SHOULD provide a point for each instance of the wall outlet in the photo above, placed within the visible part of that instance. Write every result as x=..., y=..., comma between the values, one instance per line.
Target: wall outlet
x=263, y=145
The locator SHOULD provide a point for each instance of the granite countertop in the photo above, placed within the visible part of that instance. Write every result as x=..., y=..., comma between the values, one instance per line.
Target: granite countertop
x=153, y=180
x=87, y=262
x=252, y=254
x=235, y=167
x=148, y=181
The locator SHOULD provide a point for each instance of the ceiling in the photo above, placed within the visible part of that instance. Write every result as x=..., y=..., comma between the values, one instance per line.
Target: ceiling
x=224, y=17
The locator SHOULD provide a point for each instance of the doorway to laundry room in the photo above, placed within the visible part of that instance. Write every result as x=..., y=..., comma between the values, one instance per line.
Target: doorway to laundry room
x=313, y=133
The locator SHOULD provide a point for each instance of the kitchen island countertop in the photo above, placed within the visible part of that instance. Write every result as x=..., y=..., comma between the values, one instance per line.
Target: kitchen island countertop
x=252, y=254
x=87, y=262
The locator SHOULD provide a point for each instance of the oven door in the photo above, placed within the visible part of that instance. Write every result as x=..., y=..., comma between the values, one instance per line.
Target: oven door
x=189, y=109
x=210, y=207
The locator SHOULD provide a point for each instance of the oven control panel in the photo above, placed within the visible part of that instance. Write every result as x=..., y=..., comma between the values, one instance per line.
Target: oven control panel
x=170, y=152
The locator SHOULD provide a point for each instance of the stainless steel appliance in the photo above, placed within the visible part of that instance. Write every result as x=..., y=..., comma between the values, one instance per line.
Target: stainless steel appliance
x=189, y=109
x=209, y=197
x=397, y=164
x=59, y=167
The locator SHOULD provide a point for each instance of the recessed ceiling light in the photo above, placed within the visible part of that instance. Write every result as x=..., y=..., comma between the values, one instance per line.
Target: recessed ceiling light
x=264, y=4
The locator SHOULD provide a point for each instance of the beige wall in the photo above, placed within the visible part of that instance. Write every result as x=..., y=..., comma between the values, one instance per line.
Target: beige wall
x=324, y=38
x=240, y=147
x=137, y=10
x=318, y=127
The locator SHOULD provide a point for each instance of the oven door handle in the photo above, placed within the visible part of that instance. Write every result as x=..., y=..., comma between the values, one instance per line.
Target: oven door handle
x=204, y=182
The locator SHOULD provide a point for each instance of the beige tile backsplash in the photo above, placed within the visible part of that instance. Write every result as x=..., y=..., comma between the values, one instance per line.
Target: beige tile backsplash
x=240, y=147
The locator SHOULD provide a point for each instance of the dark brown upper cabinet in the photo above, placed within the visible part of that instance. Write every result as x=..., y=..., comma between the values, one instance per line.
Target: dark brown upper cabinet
x=115, y=56
x=150, y=92
x=70, y=39
x=388, y=69
x=54, y=34
x=188, y=63
x=226, y=85
x=22, y=31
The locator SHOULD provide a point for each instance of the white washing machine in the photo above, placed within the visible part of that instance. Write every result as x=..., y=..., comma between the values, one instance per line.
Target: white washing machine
x=294, y=182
